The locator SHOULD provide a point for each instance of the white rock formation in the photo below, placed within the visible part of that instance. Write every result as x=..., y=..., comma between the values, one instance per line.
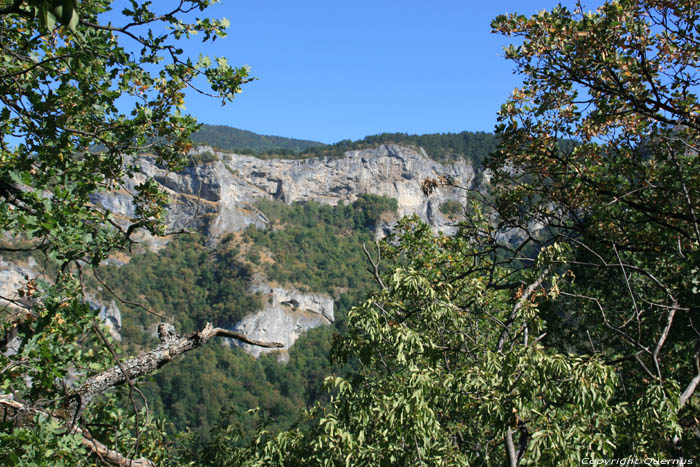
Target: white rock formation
x=13, y=277
x=16, y=276
x=110, y=315
x=286, y=315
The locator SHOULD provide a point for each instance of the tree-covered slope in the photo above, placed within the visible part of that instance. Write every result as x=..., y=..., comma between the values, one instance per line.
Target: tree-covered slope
x=475, y=146
x=227, y=138
x=315, y=247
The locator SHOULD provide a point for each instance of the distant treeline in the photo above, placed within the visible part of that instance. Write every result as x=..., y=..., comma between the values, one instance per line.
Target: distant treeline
x=227, y=138
x=442, y=147
x=475, y=146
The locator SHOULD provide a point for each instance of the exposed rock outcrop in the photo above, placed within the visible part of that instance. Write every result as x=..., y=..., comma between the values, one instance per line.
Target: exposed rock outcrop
x=16, y=276
x=286, y=315
x=13, y=277
x=388, y=170
x=109, y=314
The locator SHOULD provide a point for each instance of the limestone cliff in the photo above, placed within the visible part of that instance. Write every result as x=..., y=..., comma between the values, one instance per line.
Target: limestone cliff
x=219, y=197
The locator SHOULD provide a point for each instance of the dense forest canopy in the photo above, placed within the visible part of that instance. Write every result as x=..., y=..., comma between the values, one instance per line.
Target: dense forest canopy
x=474, y=146
x=319, y=249
x=559, y=325
x=442, y=147
x=66, y=82
x=577, y=338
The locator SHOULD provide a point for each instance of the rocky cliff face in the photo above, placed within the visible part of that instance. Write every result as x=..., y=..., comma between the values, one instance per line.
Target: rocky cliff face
x=219, y=197
x=109, y=314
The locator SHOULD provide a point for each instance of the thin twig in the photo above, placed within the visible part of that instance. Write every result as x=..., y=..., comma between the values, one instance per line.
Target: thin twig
x=375, y=265
x=123, y=300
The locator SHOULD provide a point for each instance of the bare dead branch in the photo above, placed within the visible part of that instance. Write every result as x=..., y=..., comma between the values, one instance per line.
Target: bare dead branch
x=510, y=449
x=629, y=287
x=615, y=329
x=110, y=455
x=690, y=389
x=92, y=445
x=375, y=265
x=146, y=363
x=537, y=339
x=662, y=339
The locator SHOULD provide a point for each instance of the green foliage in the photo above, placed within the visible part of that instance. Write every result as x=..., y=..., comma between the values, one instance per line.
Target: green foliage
x=452, y=209
x=474, y=146
x=434, y=387
x=45, y=442
x=191, y=283
x=442, y=147
x=588, y=347
x=204, y=157
x=622, y=199
x=193, y=392
x=68, y=84
x=186, y=282
x=559, y=318
x=58, y=315
x=319, y=247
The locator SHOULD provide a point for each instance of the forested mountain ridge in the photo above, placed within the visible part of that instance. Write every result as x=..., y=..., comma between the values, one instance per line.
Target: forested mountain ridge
x=222, y=195
x=231, y=139
x=294, y=228
x=287, y=225
x=474, y=146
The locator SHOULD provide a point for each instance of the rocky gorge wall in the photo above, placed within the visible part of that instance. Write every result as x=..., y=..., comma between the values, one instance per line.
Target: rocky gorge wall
x=219, y=197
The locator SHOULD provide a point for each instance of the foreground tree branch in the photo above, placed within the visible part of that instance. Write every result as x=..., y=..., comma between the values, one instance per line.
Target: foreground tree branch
x=527, y=293
x=171, y=345
x=510, y=449
x=91, y=444
x=690, y=389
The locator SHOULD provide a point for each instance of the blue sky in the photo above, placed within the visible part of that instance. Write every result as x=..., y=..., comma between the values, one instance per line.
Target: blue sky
x=332, y=70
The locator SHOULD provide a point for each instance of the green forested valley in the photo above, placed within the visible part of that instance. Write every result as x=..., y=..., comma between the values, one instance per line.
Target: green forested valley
x=317, y=248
